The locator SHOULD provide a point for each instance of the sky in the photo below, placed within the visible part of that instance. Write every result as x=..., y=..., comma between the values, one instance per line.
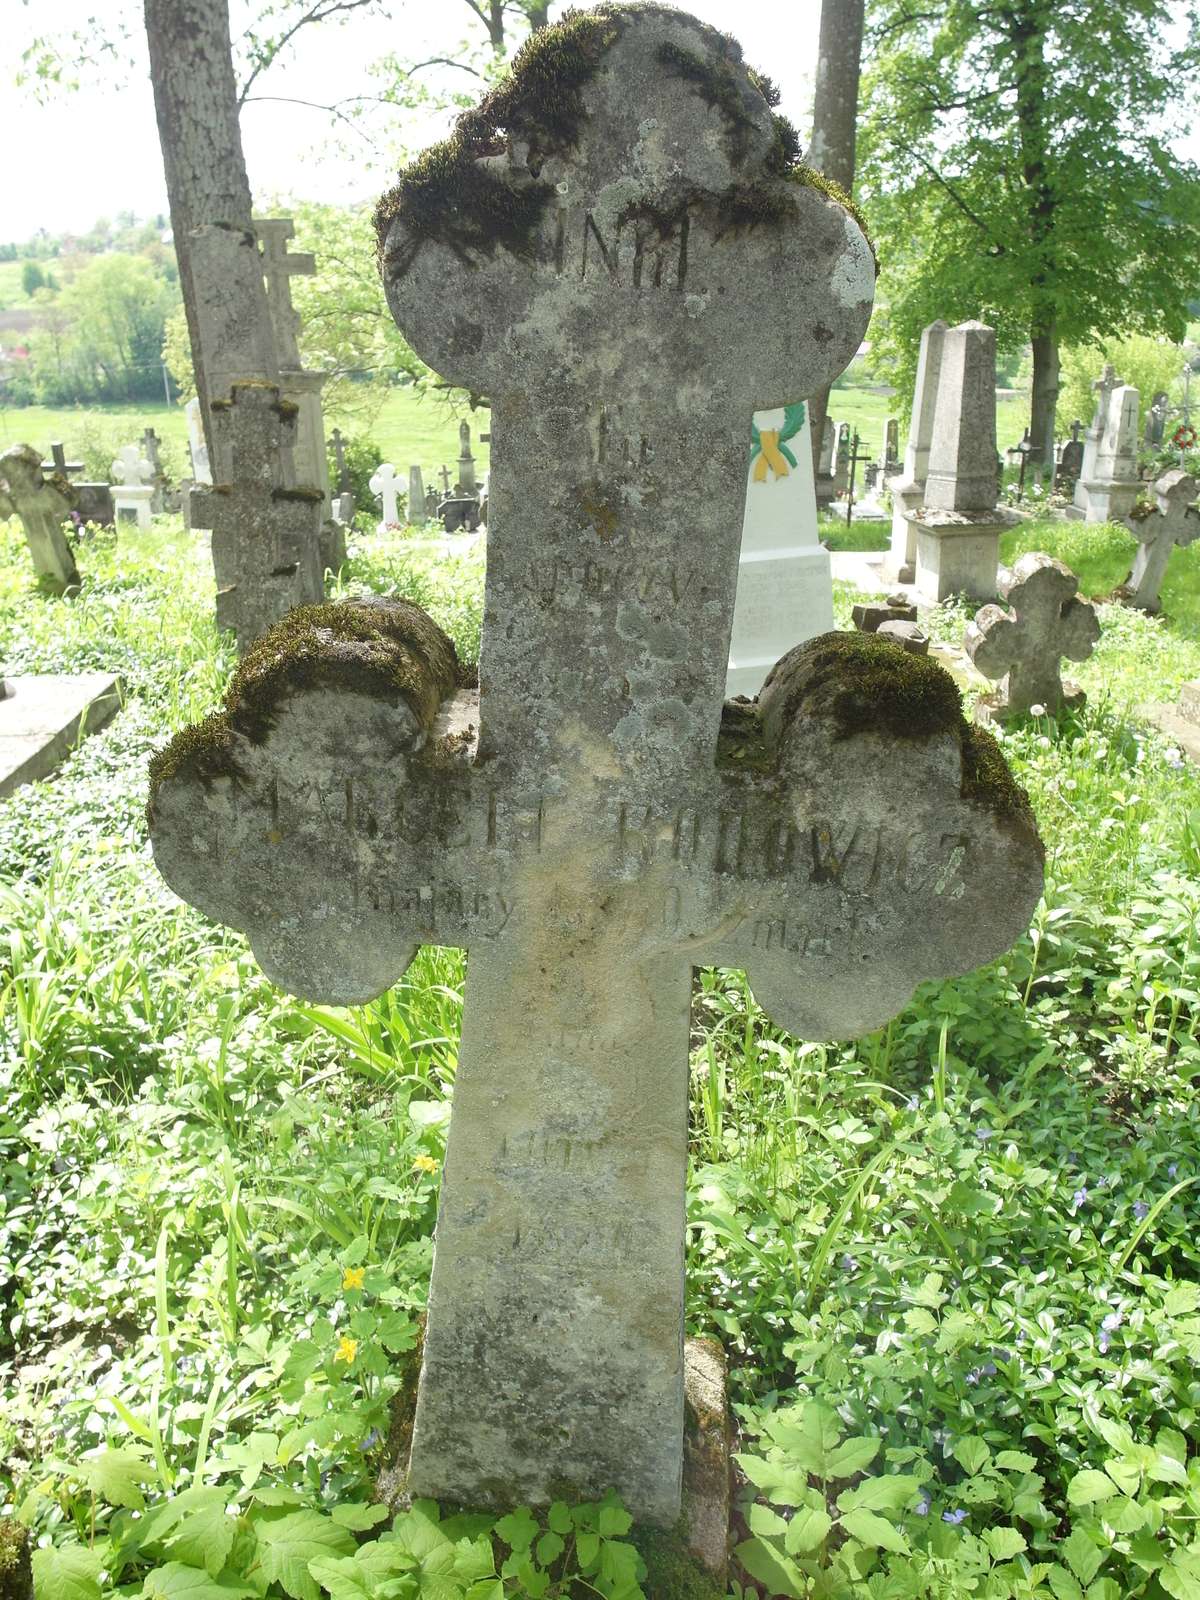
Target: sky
x=94, y=152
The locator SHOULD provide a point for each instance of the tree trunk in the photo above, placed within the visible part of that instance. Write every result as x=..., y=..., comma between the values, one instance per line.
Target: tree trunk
x=1027, y=32
x=195, y=99
x=538, y=12
x=1044, y=396
x=835, y=125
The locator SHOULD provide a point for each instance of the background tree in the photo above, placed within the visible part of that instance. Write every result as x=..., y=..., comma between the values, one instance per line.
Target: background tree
x=835, y=124
x=1016, y=161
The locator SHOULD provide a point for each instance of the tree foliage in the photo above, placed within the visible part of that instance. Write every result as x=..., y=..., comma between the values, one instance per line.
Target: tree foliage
x=1018, y=161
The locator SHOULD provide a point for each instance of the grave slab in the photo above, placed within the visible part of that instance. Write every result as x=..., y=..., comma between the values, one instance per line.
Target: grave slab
x=43, y=718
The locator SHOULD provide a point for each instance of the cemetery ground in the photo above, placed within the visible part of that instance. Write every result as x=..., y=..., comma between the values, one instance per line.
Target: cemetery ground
x=955, y=1265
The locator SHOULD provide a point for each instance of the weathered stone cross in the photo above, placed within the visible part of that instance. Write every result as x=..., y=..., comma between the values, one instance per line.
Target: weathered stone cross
x=1171, y=519
x=1022, y=641
x=43, y=505
x=610, y=250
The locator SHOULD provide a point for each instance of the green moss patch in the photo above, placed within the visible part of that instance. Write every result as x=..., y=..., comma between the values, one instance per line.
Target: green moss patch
x=16, y=1574
x=672, y=1572
x=987, y=779
x=388, y=649
x=449, y=194
x=864, y=684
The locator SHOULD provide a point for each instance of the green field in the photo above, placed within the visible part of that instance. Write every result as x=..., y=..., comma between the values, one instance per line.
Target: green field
x=411, y=428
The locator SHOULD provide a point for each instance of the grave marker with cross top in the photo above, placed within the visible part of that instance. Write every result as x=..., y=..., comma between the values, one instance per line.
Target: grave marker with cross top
x=1042, y=620
x=591, y=822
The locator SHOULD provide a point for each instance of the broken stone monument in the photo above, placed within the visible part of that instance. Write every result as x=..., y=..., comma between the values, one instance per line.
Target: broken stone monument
x=785, y=578
x=1171, y=518
x=93, y=502
x=591, y=822
x=1021, y=642
x=43, y=505
x=1070, y=462
x=908, y=490
x=416, y=495
x=133, y=491
x=870, y=616
x=1111, y=489
x=958, y=526
x=384, y=483
x=264, y=533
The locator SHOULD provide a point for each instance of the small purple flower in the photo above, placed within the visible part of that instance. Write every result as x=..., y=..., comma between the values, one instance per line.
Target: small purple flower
x=1172, y=1169
x=921, y=1509
x=1112, y=1322
x=988, y=1369
x=984, y=1134
x=1102, y=1182
x=954, y=1517
x=849, y=1264
x=1079, y=1198
x=914, y=1103
x=1141, y=1210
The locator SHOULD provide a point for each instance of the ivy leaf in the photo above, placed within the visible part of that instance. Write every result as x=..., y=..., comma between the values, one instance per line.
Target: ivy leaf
x=874, y=1531
x=777, y=1572
x=116, y=1475
x=1089, y=1486
x=358, y=1518
x=67, y=1573
x=342, y=1578
x=1004, y=1543
x=807, y=1530
x=289, y=1544
x=518, y=1529
x=851, y=1456
x=176, y=1581
x=1082, y=1556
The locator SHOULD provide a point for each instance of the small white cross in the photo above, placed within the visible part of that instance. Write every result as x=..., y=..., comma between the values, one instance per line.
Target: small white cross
x=384, y=483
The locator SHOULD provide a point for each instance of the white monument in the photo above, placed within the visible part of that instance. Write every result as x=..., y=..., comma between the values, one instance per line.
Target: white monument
x=385, y=484
x=1108, y=491
x=908, y=490
x=785, y=583
x=133, y=489
x=201, y=470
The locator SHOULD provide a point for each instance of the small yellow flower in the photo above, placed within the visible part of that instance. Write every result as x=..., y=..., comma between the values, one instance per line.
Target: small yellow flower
x=347, y=1349
x=352, y=1277
x=425, y=1164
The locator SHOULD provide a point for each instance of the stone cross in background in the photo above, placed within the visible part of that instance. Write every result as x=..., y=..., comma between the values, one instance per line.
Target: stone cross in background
x=591, y=822
x=339, y=458
x=133, y=492
x=416, y=495
x=43, y=508
x=92, y=502
x=159, y=481
x=1043, y=619
x=303, y=388
x=1156, y=420
x=58, y=463
x=890, y=459
x=1171, y=519
x=959, y=525
x=431, y=504
x=1109, y=484
x=384, y=483
x=1102, y=388
x=785, y=579
x=264, y=532
x=908, y=491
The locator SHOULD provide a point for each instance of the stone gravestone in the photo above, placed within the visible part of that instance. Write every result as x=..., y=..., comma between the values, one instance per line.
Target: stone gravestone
x=908, y=491
x=466, y=461
x=587, y=822
x=416, y=495
x=43, y=505
x=159, y=480
x=1070, y=462
x=1043, y=619
x=824, y=486
x=431, y=503
x=959, y=526
x=93, y=502
x=841, y=462
x=1110, y=490
x=385, y=484
x=1170, y=519
x=1156, y=420
x=302, y=388
x=201, y=471
x=785, y=579
x=264, y=532
x=133, y=492
x=1102, y=388
x=890, y=459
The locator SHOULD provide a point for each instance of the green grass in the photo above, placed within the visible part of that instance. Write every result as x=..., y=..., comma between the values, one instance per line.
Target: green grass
x=869, y=412
x=968, y=1239
x=411, y=427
